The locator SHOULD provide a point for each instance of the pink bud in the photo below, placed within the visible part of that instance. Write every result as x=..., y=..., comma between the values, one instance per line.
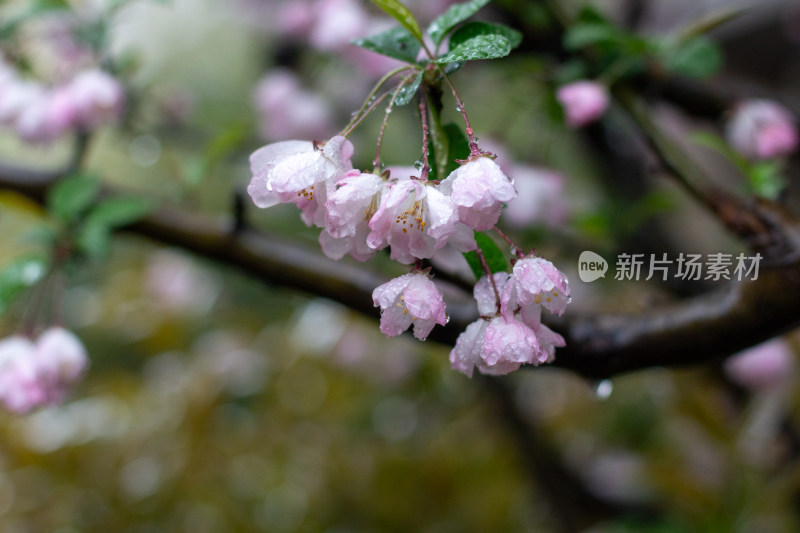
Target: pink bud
x=762, y=129
x=583, y=101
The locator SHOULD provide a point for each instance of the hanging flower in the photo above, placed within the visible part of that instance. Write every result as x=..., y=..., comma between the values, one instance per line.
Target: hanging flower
x=410, y=299
x=762, y=129
x=583, y=101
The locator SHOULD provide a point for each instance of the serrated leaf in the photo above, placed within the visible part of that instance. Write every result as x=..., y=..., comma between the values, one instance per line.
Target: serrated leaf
x=455, y=14
x=480, y=47
x=406, y=93
x=19, y=275
x=473, y=29
x=582, y=35
x=697, y=58
x=494, y=256
x=69, y=198
x=397, y=43
x=119, y=211
x=401, y=14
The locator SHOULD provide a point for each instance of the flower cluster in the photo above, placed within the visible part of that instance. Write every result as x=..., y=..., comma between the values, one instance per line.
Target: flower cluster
x=361, y=213
x=510, y=332
x=39, y=373
x=41, y=114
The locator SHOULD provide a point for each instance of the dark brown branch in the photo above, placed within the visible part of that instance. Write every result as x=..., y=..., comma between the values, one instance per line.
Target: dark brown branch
x=599, y=345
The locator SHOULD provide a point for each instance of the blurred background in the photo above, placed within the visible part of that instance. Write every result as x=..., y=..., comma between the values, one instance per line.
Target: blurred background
x=216, y=402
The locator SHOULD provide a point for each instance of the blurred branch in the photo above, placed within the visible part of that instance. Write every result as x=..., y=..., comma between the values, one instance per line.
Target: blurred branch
x=599, y=345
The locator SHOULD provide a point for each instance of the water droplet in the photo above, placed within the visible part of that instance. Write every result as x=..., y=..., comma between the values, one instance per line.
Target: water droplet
x=447, y=319
x=418, y=164
x=514, y=250
x=569, y=299
x=458, y=108
x=603, y=389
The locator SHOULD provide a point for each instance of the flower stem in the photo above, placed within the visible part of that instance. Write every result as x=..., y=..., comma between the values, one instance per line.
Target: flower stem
x=515, y=250
x=488, y=271
x=367, y=106
x=473, y=143
x=423, y=115
x=376, y=163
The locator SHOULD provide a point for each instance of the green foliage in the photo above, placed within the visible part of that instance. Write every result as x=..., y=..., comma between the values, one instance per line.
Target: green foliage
x=93, y=238
x=474, y=29
x=401, y=14
x=478, y=47
x=454, y=15
x=406, y=92
x=493, y=254
x=766, y=180
x=696, y=58
x=397, y=43
x=19, y=275
x=583, y=35
x=69, y=199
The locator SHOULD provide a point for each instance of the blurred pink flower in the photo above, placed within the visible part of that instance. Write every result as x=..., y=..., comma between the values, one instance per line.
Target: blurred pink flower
x=98, y=98
x=583, y=102
x=337, y=23
x=762, y=366
x=285, y=109
x=762, y=129
x=540, y=198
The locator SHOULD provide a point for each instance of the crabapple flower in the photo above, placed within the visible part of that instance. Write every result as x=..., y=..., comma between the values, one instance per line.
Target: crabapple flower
x=347, y=215
x=34, y=374
x=20, y=387
x=410, y=299
x=297, y=172
x=478, y=190
x=61, y=358
x=286, y=109
x=761, y=367
x=484, y=292
x=583, y=101
x=414, y=218
x=762, y=129
x=98, y=98
x=535, y=283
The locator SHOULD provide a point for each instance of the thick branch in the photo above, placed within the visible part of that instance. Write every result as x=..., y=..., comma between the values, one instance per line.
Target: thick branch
x=599, y=345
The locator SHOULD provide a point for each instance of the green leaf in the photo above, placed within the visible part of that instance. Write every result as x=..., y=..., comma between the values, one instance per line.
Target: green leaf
x=492, y=253
x=473, y=29
x=766, y=180
x=697, y=58
x=19, y=275
x=119, y=211
x=69, y=198
x=94, y=240
x=479, y=47
x=397, y=43
x=582, y=35
x=455, y=14
x=718, y=144
x=406, y=93
x=401, y=14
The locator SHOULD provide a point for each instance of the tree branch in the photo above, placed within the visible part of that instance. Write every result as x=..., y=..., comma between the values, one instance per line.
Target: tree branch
x=599, y=345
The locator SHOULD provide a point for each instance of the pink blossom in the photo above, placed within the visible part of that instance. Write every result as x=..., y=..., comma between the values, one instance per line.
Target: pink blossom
x=414, y=218
x=762, y=129
x=337, y=23
x=495, y=347
x=412, y=298
x=535, y=282
x=511, y=341
x=540, y=198
x=287, y=110
x=98, y=98
x=296, y=172
x=347, y=215
x=478, y=190
x=484, y=292
x=20, y=387
x=762, y=366
x=583, y=102
x=61, y=358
